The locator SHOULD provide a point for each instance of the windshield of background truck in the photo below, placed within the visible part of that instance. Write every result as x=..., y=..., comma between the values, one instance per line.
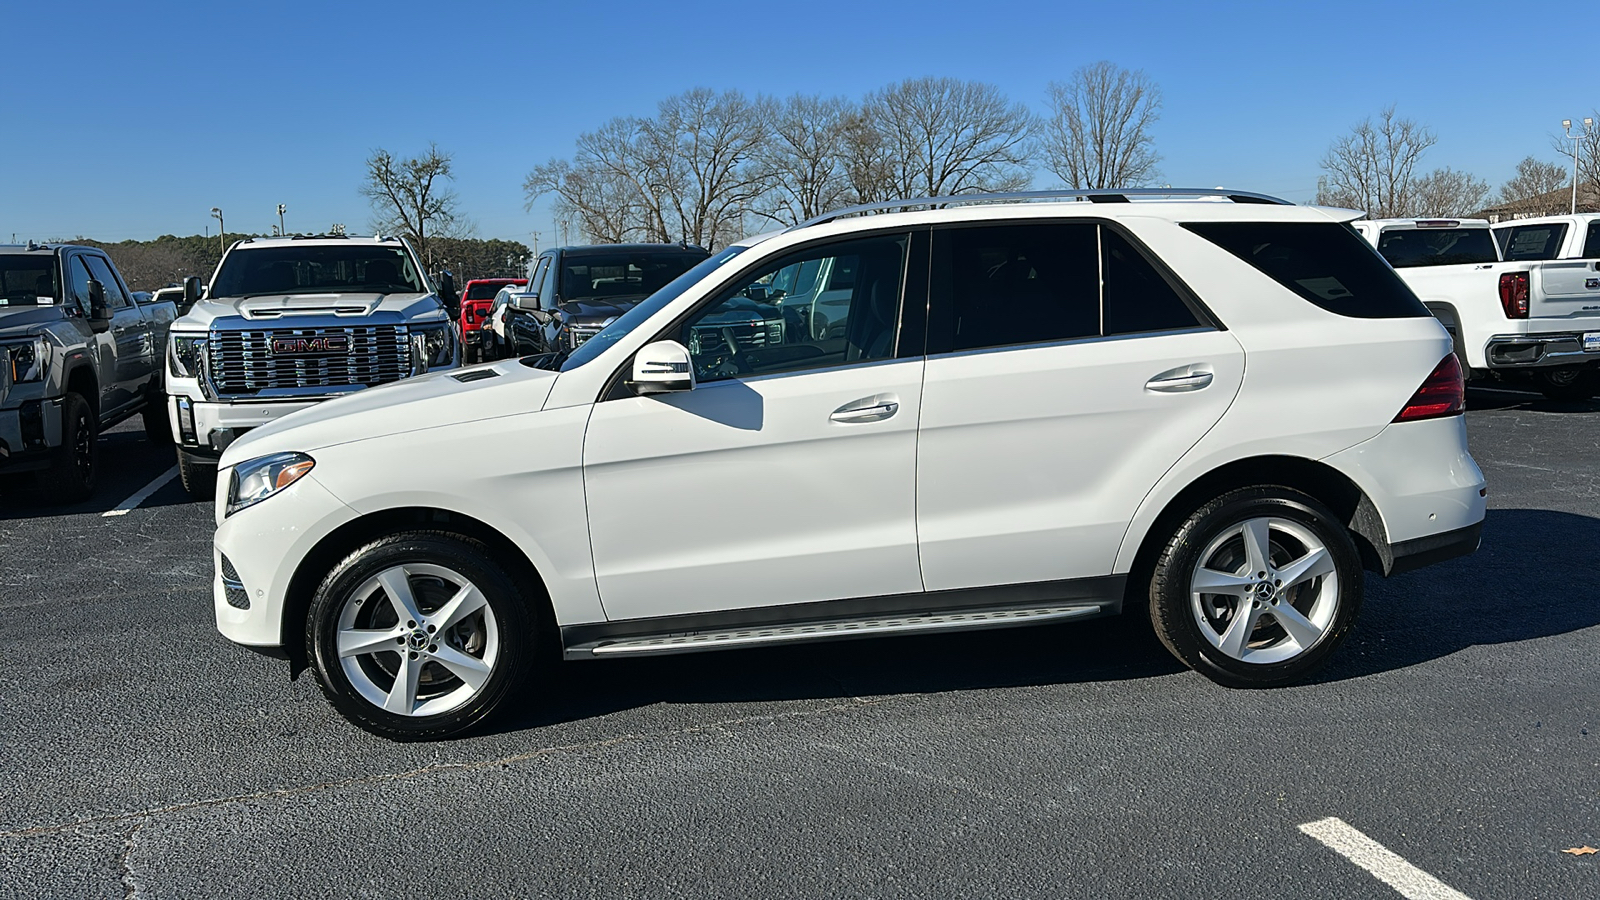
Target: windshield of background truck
x=1408, y=248
x=619, y=275
x=358, y=268
x=630, y=320
x=28, y=281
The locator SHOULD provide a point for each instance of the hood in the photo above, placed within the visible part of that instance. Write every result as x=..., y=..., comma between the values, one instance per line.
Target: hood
x=438, y=400
x=16, y=320
x=268, y=308
x=600, y=307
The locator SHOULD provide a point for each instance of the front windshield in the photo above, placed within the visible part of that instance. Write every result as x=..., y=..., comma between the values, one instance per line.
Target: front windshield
x=657, y=301
x=28, y=280
x=303, y=269
x=586, y=276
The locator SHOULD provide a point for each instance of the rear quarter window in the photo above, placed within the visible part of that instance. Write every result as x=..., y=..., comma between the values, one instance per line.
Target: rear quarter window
x=1326, y=264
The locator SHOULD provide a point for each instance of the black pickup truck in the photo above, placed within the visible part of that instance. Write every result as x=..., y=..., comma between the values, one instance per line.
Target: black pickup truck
x=77, y=355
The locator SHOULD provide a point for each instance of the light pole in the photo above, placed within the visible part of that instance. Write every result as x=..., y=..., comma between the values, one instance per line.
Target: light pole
x=222, y=231
x=281, y=209
x=1577, y=145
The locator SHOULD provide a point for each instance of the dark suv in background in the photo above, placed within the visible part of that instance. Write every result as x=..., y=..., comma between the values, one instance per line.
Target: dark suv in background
x=573, y=292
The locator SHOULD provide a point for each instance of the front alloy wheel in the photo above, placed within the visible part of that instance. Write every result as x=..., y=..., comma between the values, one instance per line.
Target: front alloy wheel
x=419, y=635
x=1257, y=588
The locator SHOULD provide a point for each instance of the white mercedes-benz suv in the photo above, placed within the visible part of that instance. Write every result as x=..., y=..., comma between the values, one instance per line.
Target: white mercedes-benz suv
x=962, y=413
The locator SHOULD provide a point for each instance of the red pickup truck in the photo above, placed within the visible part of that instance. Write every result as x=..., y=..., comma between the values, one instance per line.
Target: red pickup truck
x=476, y=298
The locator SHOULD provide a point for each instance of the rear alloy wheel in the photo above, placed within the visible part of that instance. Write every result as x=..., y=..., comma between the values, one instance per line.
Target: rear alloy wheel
x=418, y=636
x=1257, y=588
x=1570, y=383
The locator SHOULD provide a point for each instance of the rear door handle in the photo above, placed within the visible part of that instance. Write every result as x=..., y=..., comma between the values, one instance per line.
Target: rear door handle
x=1181, y=380
x=867, y=409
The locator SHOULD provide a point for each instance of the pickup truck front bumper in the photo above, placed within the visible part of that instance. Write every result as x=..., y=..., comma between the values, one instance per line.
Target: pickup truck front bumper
x=206, y=428
x=29, y=434
x=1532, y=351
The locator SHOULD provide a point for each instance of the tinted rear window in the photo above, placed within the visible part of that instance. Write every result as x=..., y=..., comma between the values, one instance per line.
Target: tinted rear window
x=1325, y=263
x=1591, y=242
x=1408, y=248
x=482, y=291
x=1532, y=242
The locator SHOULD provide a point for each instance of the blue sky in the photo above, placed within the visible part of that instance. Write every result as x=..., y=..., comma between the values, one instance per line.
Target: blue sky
x=133, y=120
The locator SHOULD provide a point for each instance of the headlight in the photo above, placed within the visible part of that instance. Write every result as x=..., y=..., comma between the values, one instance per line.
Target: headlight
x=434, y=347
x=255, y=480
x=187, y=352
x=29, y=360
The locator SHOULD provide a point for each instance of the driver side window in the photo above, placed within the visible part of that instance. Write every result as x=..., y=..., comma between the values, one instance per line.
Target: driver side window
x=826, y=306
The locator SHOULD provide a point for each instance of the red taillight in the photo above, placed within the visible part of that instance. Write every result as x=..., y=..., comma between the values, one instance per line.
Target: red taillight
x=1443, y=393
x=1514, y=294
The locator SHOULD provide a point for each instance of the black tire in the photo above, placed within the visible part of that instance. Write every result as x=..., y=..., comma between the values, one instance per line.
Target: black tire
x=157, y=429
x=198, y=476
x=1176, y=614
x=71, y=476
x=1568, y=383
x=512, y=624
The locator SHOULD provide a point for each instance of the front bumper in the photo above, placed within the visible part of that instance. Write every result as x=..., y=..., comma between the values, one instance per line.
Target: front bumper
x=264, y=544
x=208, y=427
x=29, y=433
x=1532, y=351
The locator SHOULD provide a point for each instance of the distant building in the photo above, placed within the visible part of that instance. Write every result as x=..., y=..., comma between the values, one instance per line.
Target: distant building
x=1554, y=203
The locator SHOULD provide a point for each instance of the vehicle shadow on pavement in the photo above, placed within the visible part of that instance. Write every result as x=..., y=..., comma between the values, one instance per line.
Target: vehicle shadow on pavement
x=1530, y=579
x=1097, y=650
x=1511, y=398
x=128, y=462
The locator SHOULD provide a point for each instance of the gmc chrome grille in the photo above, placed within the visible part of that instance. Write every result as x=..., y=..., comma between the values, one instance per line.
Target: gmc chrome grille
x=243, y=362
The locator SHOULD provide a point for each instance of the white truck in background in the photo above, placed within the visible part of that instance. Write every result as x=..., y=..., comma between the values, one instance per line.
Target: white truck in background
x=1516, y=320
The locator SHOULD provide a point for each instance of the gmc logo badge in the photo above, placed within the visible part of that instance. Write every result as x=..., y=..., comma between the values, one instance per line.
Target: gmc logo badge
x=299, y=346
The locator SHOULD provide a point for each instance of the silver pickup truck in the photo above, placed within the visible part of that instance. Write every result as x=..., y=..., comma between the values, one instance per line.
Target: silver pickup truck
x=77, y=355
x=288, y=322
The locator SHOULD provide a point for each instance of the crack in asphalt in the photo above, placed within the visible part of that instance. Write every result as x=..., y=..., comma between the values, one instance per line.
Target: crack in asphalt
x=130, y=890
x=143, y=816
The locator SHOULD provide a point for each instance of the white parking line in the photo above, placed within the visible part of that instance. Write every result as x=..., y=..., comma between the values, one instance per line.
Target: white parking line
x=144, y=494
x=1381, y=862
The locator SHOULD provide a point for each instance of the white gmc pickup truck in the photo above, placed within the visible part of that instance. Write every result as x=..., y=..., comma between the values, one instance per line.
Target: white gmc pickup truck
x=1513, y=319
x=289, y=322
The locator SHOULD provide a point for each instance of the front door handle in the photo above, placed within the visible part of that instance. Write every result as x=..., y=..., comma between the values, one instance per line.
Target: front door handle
x=1181, y=380
x=867, y=409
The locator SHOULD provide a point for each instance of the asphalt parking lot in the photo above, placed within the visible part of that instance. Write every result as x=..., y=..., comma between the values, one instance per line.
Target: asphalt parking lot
x=144, y=756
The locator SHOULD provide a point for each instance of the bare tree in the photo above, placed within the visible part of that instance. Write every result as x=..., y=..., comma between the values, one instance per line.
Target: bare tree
x=408, y=197
x=1372, y=168
x=940, y=136
x=868, y=160
x=1535, y=187
x=1446, y=192
x=801, y=160
x=686, y=174
x=1098, y=132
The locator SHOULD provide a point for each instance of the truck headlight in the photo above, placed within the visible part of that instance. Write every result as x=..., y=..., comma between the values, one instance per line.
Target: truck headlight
x=254, y=480
x=433, y=347
x=29, y=360
x=187, y=352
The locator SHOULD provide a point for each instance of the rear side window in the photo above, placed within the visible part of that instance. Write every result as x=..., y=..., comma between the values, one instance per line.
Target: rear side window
x=1137, y=297
x=1591, y=242
x=1534, y=242
x=1413, y=247
x=1326, y=264
x=1003, y=285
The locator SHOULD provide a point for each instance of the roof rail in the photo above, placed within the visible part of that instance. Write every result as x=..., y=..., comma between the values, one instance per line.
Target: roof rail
x=1100, y=195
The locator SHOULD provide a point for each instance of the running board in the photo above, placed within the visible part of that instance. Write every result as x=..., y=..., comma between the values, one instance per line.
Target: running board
x=692, y=642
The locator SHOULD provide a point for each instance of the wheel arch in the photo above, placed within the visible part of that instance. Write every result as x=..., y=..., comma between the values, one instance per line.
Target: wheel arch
x=340, y=542
x=1319, y=480
x=81, y=380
